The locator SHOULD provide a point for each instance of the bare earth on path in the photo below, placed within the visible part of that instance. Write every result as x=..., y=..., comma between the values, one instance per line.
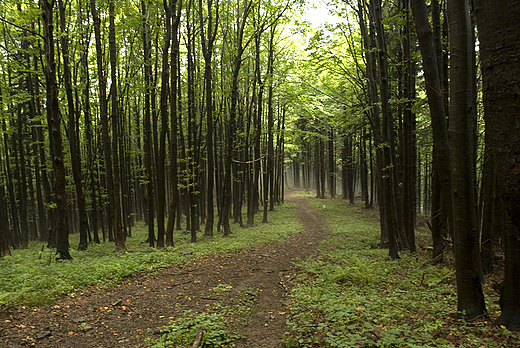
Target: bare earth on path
x=121, y=316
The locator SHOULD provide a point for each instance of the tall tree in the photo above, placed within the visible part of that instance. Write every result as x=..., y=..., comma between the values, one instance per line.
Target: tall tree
x=75, y=152
x=119, y=234
x=103, y=115
x=470, y=295
x=5, y=250
x=498, y=23
x=148, y=147
x=161, y=167
x=388, y=135
x=432, y=76
x=55, y=138
x=175, y=10
x=207, y=41
x=244, y=11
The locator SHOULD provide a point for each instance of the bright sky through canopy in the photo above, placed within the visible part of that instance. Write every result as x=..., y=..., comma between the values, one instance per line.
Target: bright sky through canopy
x=319, y=15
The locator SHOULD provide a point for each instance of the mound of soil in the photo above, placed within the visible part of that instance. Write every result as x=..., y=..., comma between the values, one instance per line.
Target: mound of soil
x=122, y=316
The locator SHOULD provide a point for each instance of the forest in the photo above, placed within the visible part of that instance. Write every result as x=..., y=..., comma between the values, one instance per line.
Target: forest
x=196, y=120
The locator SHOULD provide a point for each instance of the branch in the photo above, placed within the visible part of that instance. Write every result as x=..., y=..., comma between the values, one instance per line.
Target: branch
x=198, y=339
x=19, y=27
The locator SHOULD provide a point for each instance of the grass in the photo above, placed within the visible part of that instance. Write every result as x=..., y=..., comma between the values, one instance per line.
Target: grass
x=351, y=294
x=35, y=277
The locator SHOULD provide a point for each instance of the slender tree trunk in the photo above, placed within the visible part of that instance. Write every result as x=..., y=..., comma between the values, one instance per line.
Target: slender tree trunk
x=176, y=7
x=75, y=152
x=408, y=144
x=332, y=164
x=270, y=121
x=389, y=178
x=441, y=151
x=54, y=124
x=465, y=232
x=161, y=170
x=191, y=178
x=5, y=250
x=257, y=125
x=374, y=117
x=148, y=141
x=116, y=177
x=207, y=50
x=237, y=62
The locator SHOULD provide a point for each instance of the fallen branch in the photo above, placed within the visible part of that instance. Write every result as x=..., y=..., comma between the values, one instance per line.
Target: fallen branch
x=198, y=339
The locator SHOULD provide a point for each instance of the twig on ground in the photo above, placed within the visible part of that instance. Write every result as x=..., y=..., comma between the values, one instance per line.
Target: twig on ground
x=198, y=339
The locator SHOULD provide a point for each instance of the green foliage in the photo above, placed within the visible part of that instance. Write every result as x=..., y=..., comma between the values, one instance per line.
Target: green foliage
x=34, y=277
x=182, y=332
x=218, y=322
x=352, y=295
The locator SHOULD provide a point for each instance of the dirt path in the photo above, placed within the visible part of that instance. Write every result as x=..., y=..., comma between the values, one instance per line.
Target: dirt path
x=120, y=316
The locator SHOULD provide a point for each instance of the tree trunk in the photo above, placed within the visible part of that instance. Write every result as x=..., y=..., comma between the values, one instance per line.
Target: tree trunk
x=161, y=168
x=389, y=177
x=75, y=151
x=207, y=50
x=176, y=8
x=498, y=28
x=441, y=151
x=332, y=164
x=147, y=127
x=270, y=121
x=237, y=62
x=55, y=139
x=4, y=227
x=465, y=232
x=116, y=177
x=408, y=146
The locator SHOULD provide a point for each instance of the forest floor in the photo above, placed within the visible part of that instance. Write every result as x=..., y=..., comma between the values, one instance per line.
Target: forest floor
x=251, y=284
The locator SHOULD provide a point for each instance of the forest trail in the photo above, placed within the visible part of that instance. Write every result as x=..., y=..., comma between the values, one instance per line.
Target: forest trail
x=121, y=316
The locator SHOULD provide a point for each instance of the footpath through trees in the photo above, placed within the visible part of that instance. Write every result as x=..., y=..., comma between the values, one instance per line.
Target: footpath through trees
x=253, y=282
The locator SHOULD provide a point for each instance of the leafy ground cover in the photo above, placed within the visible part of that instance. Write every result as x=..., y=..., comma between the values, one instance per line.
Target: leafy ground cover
x=219, y=325
x=33, y=276
x=351, y=294
x=236, y=297
x=256, y=288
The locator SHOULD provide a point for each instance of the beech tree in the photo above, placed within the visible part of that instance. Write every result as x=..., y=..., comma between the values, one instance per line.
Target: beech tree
x=55, y=138
x=465, y=232
x=72, y=130
x=498, y=22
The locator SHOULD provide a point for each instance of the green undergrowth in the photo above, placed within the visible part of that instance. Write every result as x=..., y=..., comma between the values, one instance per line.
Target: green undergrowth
x=351, y=294
x=220, y=323
x=34, y=276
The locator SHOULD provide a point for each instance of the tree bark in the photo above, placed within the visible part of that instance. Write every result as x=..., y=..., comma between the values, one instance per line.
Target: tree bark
x=176, y=8
x=465, y=232
x=4, y=227
x=388, y=137
x=148, y=147
x=441, y=150
x=237, y=62
x=207, y=41
x=119, y=234
x=75, y=150
x=498, y=28
x=161, y=167
x=55, y=139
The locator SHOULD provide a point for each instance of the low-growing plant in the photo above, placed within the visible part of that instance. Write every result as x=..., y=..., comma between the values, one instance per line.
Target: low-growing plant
x=33, y=276
x=183, y=331
x=351, y=294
